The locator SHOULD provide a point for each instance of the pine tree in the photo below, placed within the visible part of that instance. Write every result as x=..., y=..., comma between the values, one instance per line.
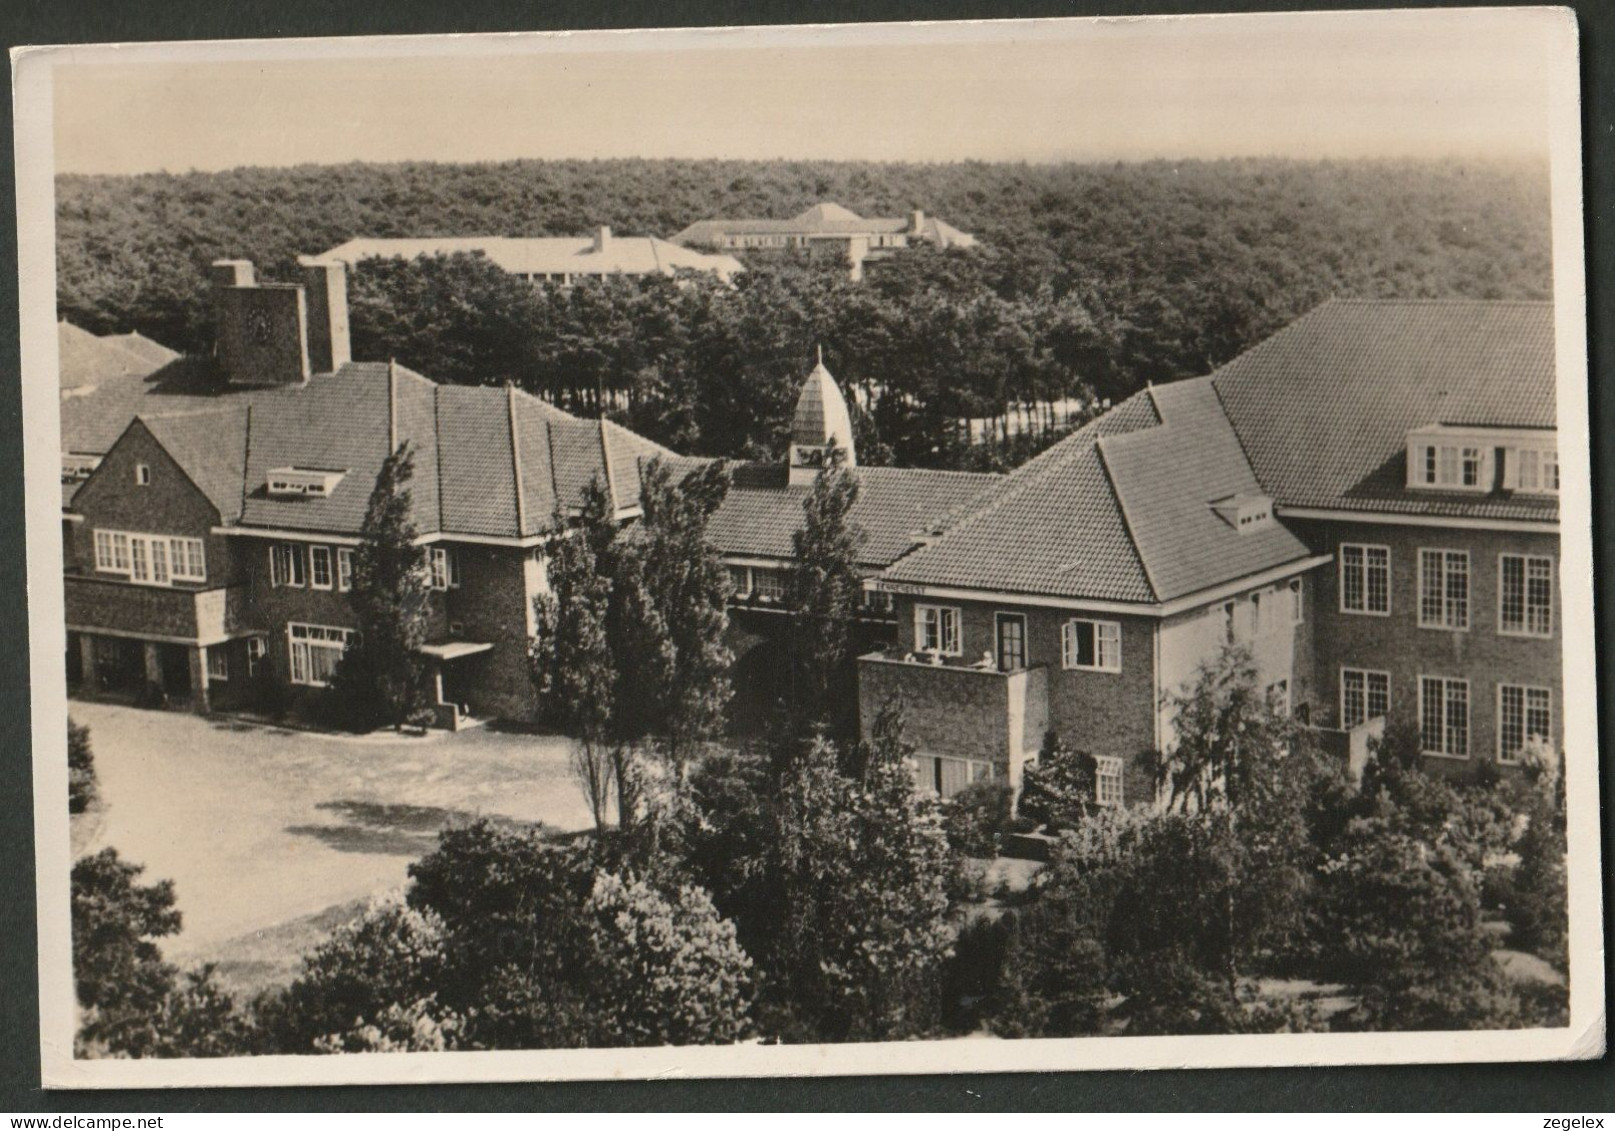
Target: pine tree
x=822, y=590
x=391, y=594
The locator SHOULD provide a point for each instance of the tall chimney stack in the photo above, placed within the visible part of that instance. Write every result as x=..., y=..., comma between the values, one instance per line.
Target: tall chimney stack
x=917, y=220
x=325, y=286
x=261, y=328
x=602, y=238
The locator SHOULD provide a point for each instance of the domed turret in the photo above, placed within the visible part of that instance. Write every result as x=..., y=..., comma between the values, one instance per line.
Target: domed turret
x=821, y=420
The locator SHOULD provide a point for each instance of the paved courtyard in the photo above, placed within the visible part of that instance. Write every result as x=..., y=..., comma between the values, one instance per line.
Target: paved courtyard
x=261, y=828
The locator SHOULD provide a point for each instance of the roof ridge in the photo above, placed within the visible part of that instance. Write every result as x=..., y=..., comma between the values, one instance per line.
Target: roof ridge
x=1121, y=507
x=516, y=460
x=437, y=447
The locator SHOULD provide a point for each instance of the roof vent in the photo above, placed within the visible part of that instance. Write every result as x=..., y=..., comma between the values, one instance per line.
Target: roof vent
x=300, y=482
x=1245, y=513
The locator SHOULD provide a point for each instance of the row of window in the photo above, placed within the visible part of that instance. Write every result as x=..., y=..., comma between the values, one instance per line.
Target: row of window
x=1524, y=713
x=760, y=582
x=1459, y=465
x=294, y=566
x=1084, y=643
x=1524, y=588
x=150, y=559
x=218, y=660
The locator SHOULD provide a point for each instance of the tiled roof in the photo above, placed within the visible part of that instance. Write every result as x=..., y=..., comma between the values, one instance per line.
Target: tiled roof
x=1167, y=479
x=94, y=416
x=1052, y=527
x=86, y=361
x=1323, y=407
x=211, y=447
x=761, y=512
x=152, y=353
x=630, y=255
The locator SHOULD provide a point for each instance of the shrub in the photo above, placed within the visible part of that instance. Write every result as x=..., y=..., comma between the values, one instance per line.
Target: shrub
x=1058, y=790
x=977, y=817
x=81, y=783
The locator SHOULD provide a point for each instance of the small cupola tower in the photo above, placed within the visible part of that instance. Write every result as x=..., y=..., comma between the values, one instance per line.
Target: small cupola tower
x=821, y=421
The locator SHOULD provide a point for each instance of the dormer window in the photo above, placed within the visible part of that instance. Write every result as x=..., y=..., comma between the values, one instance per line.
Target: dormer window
x=76, y=466
x=1245, y=513
x=1532, y=470
x=300, y=482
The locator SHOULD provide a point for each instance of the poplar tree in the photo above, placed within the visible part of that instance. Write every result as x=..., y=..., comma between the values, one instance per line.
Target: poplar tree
x=822, y=589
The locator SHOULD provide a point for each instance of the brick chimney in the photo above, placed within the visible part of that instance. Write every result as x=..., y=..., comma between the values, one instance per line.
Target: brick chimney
x=602, y=238
x=325, y=287
x=917, y=222
x=261, y=328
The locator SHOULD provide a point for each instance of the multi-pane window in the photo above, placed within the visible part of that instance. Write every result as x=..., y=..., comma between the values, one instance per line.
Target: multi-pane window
x=218, y=663
x=319, y=566
x=1525, y=595
x=150, y=558
x=1444, y=589
x=1523, y=714
x=1536, y=470
x=1091, y=644
x=1452, y=465
x=1365, y=579
x=768, y=584
x=315, y=650
x=740, y=580
x=445, y=568
x=344, y=569
x=936, y=629
x=1107, y=781
x=286, y=566
x=1444, y=716
x=1364, y=695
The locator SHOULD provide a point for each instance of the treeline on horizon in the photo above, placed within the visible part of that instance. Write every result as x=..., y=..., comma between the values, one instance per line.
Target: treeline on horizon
x=1090, y=279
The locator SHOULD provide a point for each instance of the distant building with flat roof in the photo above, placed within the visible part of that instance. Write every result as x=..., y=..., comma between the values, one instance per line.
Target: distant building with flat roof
x=830, y=230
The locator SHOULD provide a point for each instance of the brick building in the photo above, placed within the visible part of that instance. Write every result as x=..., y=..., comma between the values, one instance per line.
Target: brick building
x=212, y=547
x=1368, y=500
x=828, y=231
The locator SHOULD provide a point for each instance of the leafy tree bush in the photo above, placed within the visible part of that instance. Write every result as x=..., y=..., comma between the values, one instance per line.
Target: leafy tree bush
x=545, y=948
x=1058, y=790
x=976, y=818
x=82, y=791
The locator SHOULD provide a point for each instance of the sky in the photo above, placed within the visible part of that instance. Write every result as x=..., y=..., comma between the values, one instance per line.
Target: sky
x=1447, y=83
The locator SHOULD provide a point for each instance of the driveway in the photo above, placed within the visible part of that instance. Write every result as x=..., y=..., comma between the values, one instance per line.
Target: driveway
x=259, y=826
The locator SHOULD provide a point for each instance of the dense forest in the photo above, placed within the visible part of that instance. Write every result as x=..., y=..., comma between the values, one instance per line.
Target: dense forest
x=1090, y=279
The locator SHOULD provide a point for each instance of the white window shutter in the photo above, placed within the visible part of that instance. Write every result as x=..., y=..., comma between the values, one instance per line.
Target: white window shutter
x=1511, y=469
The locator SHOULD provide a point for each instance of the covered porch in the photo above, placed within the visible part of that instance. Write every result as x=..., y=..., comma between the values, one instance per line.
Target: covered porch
x=451, y=666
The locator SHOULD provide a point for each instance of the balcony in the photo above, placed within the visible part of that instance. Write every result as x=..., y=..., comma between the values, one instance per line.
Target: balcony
x=154, y=612
x=955, y=710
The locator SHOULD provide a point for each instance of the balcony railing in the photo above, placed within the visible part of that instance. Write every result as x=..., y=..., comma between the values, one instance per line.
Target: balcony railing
x=121, y=608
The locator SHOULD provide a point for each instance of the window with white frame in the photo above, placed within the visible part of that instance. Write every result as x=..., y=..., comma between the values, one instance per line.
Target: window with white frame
x=316, y=649
x=1107, y=781
x=151, y=559
x=1452, y=465
x=445, y=568
x=1364, y=695
x=1444, y=589
x=143, y=475
x=1444, y=716
x=1533, y=471
x=1095, y=644
x=344, y=569
x=740, y=580
x=286, y=566
x=1523, y=714
x=1297, y=607
x=218, y=662
x=1365, y=579
x=768, y=584
x=1525, y=595
x=257, y=648
x=319, y=567
x=936, y=629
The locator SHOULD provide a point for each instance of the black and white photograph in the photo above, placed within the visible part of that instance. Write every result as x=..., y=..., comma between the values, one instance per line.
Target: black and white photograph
x=1003, y=546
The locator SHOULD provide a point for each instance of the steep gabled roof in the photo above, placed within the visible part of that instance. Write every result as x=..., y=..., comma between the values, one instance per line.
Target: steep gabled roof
x=211, y=448
x=85, y=361
x=894, y=506
x=1324, y=406
x=1167, y=480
